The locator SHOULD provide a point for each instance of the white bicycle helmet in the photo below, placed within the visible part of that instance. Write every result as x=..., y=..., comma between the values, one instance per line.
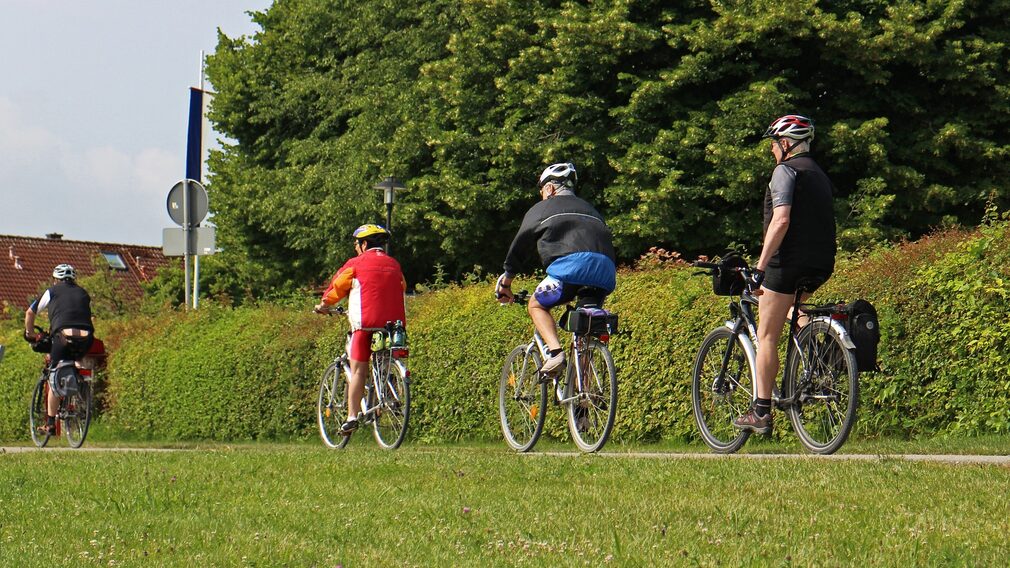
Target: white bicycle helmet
x=791, y=126
x=562, y=173
x=64, y=272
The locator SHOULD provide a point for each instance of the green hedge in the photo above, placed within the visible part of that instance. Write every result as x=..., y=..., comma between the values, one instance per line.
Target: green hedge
x=250, y=373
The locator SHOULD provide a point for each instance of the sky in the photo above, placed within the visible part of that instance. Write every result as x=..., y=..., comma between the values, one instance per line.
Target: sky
x=94, y=98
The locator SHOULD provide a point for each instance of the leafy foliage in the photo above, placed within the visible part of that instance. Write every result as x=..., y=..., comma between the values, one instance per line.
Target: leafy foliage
x=251, y=372
x=656, y=102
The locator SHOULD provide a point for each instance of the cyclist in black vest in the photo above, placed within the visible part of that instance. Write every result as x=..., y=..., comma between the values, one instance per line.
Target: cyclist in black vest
x=70, y=326
x=799, y=245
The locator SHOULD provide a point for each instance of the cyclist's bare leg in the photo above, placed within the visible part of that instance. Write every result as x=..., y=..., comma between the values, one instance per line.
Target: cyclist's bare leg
x=774, y=310
x=544, y=322
x=53, y=403
x=356, y=387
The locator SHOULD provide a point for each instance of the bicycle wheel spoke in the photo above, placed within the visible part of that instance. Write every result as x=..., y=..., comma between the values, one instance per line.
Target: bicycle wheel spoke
x=823, y=375
x=391, y=420
x=591, y=413
x=721, y=389
x=521, y=399
x=331, y=408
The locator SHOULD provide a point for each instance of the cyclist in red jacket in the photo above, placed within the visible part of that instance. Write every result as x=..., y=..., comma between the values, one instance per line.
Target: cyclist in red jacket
x=374, y=285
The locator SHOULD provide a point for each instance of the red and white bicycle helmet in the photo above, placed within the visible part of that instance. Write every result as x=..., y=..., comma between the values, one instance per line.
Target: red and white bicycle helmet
x=791, y=126
x=562, y=173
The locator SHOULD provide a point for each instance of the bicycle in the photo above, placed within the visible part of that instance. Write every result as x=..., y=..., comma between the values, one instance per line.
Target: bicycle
x=587, y=387
x=74, y=415
x=386, y=403
x=820, y=386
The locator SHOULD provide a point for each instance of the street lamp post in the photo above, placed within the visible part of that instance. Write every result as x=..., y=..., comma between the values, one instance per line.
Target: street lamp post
x=389, y=186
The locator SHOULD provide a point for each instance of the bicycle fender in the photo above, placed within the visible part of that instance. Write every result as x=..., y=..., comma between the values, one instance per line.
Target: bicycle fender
x=843, y=335
x=749, y=351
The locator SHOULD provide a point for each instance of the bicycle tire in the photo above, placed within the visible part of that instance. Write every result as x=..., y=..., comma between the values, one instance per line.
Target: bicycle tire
x=77, y=418
x=522, y=398
x=825, y=411
x=393, y=415
x=37, y=412
x=717, y=402
x=591, y=416
x=331, y=407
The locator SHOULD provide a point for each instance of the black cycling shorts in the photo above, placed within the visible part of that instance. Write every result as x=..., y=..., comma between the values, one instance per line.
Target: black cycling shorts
x=785, y=280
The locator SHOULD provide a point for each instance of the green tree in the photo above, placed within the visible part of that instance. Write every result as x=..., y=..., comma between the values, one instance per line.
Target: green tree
x=658, y=104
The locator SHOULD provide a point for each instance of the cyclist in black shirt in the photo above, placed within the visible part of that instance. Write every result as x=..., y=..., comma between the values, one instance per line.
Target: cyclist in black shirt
x=575, y=246
x=70, y=326
x=799, y=245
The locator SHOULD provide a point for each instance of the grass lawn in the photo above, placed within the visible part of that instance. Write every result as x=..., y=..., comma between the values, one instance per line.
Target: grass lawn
x=301, y=505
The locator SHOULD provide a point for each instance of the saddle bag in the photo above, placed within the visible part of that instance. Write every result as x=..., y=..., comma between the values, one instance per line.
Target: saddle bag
x=864, y=329
x=589, y=321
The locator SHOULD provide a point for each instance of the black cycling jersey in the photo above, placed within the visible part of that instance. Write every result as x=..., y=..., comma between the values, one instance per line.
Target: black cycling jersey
x=810, y=240
x=69, y=306
x=561, y=225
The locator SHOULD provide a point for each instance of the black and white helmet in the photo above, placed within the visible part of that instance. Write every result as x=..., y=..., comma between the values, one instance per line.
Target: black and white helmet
x=64, y=272
x=562, y=173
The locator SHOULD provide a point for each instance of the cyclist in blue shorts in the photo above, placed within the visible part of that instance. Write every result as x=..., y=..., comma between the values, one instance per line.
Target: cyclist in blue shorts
x=575, y=246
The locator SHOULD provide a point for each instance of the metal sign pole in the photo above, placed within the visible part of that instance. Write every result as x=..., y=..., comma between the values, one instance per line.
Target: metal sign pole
x=186, y=235
x=196, y=260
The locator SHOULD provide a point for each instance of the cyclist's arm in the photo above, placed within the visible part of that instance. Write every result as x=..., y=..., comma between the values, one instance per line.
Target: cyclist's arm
x=776, y=233
x=37, y=306
x=781, y=186
x=340, y=286
x=519, y=251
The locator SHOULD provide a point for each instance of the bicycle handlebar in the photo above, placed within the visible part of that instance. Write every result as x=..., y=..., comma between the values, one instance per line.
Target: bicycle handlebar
x=331, y=311
x=711, y=269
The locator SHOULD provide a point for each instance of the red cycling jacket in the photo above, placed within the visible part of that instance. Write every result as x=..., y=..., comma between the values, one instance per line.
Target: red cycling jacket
x=374, y=285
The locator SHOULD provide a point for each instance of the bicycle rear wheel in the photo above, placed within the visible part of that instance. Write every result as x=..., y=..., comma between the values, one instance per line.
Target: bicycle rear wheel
x=824, y=374
x=393, y=412
x=721, y=393
x=331, y=409
x=591, y=415
x=77, y=414
x=37, y=412
x=522, y=398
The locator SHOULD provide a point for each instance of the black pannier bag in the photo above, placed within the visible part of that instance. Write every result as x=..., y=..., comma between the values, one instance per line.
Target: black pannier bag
x=864, y=329
x=726, y=281
x=589, y=321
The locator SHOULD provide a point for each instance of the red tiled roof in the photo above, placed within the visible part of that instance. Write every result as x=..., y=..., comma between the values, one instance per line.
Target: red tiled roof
x=26, y=265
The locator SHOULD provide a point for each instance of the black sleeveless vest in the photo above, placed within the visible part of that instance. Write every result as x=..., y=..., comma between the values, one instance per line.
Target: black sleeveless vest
x=69, y=307
x=810, y=240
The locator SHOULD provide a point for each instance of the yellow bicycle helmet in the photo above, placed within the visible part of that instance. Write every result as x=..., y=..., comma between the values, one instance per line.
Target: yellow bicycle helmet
x=370, y=230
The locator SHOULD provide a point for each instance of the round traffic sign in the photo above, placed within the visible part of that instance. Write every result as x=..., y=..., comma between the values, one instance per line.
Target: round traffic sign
x=196, y=199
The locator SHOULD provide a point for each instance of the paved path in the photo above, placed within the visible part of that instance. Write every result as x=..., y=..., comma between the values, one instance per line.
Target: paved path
x=64, y=448
x=936, y=458
x=939, y=458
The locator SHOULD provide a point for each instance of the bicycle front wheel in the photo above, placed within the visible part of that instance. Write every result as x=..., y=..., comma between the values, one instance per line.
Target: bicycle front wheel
x=722, y=387
x=393, y=412
x=594, y=388
x=331, y=409
x=522, y=398
x=822, y=380
x=77, y=417
x=37, y=413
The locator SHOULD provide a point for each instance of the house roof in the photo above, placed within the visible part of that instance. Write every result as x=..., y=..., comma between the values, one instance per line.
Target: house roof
x=26, y=264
